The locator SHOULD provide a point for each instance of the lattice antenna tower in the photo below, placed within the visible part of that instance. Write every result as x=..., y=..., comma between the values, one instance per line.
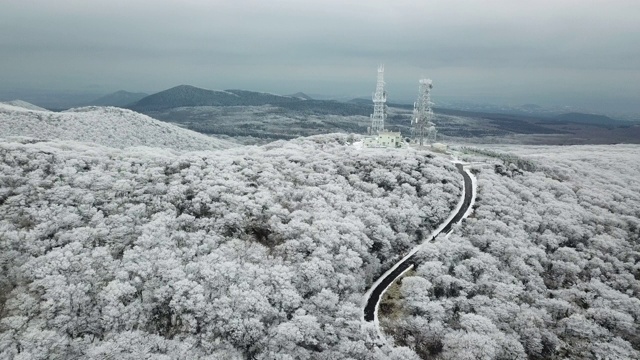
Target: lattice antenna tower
x=423, y=114
x=379, y=104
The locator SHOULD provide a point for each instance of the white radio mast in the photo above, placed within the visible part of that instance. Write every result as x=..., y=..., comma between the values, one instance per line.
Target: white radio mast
x=379, y=107
x=423, y=114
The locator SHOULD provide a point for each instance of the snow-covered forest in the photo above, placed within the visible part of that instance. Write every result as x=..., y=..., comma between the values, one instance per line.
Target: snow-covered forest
x=548, y=265
x=124, y=237
x=254, y=252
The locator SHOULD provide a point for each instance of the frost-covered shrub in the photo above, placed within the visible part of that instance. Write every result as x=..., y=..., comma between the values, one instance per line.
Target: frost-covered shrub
x=255, y=252
x=546, y=266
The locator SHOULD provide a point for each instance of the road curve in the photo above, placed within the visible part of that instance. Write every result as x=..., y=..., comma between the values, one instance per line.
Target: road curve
x=371, y=307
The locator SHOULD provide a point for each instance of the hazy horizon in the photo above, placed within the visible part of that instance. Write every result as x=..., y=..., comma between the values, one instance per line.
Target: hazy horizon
x=552, y=53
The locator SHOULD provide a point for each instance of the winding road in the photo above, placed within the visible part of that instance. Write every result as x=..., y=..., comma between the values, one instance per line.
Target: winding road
x=379, y=287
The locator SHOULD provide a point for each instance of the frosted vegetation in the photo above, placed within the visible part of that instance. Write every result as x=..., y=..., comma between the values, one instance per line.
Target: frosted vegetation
x=254, y=252
x=115, y=242
x=547, y=267
x=108, y=126
x=23, y=104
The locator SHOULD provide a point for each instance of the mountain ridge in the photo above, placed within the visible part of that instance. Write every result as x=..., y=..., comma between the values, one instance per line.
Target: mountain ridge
x=188, y=96
x=301, y=95
x=119, y=98
x=590, y=119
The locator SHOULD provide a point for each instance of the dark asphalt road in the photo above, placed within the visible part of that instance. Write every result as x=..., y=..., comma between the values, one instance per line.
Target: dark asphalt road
x=374, y=298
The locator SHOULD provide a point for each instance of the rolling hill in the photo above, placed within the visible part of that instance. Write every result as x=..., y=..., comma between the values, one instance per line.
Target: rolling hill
x=187, y=96
x=24, y=105
x=301, y=95
x=106, y=126
x=590, y=119
x=191, y=96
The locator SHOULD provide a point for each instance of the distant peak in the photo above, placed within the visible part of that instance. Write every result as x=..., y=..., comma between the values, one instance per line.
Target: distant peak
x=184, y=87
x=301, y=95
x=118, y=98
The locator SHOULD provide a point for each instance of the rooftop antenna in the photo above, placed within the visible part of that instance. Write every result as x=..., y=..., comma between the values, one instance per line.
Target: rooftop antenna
x=423, y=114
x=379, y=107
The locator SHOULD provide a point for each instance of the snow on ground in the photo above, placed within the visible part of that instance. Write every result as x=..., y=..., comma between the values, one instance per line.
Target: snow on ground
x=108, y=126
x=24, y=105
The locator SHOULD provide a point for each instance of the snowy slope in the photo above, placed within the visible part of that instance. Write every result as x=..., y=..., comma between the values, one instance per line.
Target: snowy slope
x=106, y=126
x=24, y=105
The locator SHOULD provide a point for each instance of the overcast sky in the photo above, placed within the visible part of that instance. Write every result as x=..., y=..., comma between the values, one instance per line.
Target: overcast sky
x=584, y=53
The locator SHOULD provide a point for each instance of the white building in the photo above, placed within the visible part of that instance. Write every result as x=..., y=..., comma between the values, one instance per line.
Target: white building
x=384, y=139
x=439, y=147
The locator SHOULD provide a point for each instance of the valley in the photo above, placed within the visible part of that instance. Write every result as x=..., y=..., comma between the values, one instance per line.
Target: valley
x=255, y=117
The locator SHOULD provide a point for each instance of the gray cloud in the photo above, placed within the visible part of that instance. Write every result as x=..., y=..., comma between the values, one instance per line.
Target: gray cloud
x=552, y=52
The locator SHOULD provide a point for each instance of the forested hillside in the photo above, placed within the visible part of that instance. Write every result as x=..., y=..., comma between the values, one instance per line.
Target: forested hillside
x=109, y=126
x=254, y=252
x=547, y=267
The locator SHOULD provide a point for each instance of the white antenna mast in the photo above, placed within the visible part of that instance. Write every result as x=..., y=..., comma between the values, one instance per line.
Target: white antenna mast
x=423, y=114
x=379, y=107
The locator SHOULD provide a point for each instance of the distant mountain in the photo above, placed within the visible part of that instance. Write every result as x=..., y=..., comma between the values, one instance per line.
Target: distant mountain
x=531, y=107
x=254, y=98
x=301, y=95
x=118, y=98
x=188, y=96
x=24, y=105
x=108, y=126
x=590, y=119
x=360, y=101
x=191, y=97
x=185, y=95
x=368, y=103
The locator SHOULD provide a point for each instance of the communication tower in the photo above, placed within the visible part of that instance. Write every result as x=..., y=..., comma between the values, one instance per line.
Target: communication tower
x=379, y=105
x=423, y=115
